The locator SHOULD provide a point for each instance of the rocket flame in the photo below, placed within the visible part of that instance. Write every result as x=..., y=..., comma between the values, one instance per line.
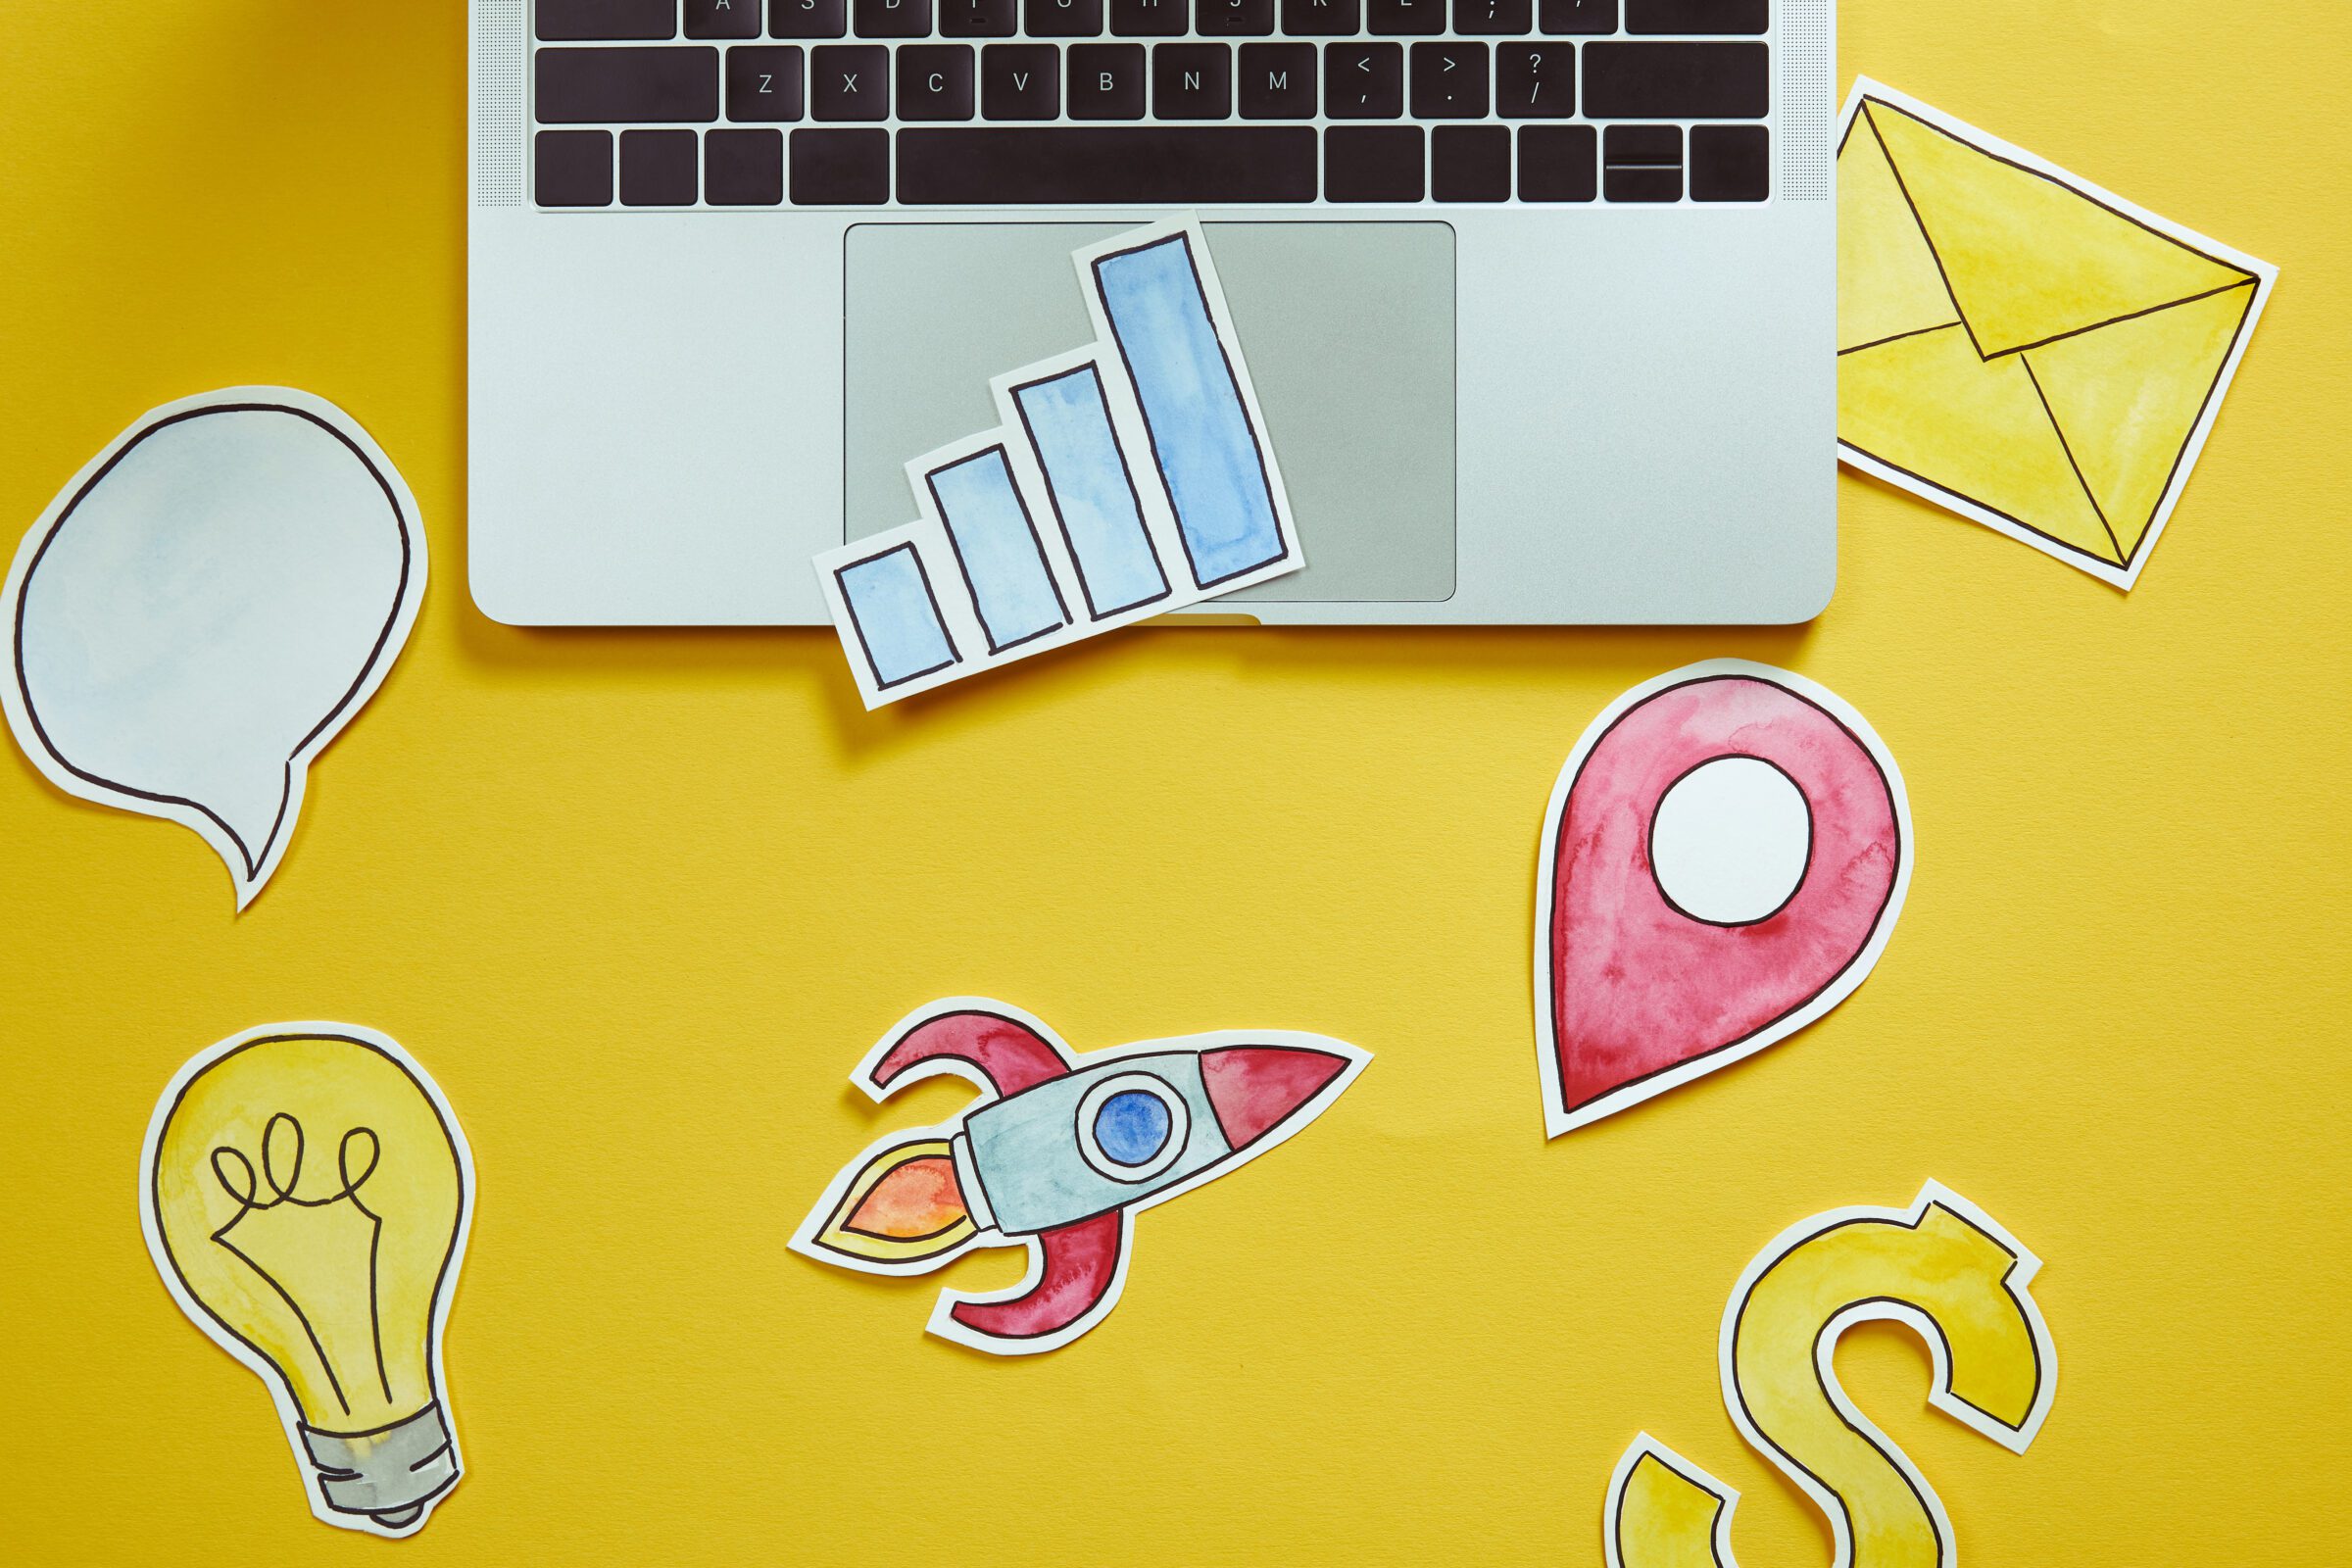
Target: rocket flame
x=903, y=1208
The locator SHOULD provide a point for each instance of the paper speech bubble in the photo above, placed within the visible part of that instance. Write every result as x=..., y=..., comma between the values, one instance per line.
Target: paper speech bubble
x=205, y=607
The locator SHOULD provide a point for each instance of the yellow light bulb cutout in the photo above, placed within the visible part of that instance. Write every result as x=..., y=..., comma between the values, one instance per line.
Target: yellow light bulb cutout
x=306, y=1193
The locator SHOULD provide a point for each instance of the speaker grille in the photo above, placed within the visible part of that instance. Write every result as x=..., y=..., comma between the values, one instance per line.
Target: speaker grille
x=1808, y=65
x=500, y=29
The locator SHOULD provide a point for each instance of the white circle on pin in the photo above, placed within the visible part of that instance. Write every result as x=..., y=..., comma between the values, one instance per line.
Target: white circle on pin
x=1730, y=841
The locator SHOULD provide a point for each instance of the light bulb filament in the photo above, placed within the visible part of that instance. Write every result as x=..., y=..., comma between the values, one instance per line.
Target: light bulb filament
x=313, y=1252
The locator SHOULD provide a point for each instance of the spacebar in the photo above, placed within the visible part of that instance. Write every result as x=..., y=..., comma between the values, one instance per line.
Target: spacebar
x=1068, y=165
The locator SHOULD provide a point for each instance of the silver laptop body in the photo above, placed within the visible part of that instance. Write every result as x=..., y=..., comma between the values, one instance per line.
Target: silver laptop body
x=1522, y=361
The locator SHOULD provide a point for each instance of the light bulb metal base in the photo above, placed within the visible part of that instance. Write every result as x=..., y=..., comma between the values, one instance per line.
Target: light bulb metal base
x=389, y=1473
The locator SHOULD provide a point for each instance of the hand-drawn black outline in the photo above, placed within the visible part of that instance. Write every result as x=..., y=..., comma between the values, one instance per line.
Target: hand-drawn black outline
x=805, y=1239
x=1094, y=611
x=1171, y=1149
x=1649, y=841
x=1555, y=827
x=1258, y=438
x=407, y=1519
x=2122, y=558
x=947, y=525
x=841, y=574
x=403, y=525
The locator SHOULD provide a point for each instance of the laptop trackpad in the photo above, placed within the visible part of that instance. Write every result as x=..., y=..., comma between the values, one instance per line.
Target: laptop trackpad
x=1347, y=328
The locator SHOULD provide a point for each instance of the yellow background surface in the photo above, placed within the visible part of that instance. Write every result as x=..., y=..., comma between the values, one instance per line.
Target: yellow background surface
x=639, y=902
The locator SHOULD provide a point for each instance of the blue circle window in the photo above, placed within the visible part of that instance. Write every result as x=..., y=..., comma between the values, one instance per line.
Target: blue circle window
x=1132, y=1126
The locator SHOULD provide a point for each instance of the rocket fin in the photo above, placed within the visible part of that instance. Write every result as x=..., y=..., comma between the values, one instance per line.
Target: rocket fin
x=1010, y=1055
x=1074, y=1278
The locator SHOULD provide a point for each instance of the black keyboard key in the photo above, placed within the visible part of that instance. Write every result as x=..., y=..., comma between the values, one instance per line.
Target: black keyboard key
x=840, y=168
x=808, y=18
x=1642, y=163
x=573, y=169
x=1372, y=163
x=1470, y=164
x=1643, y=184
x=1192, y=81
x=743, y=167
x=1233, y=18
x=1181, y=166
x=848, y=81
x=891, y=18
x=1730, y=162
x=588, y=21
x=1493, y=18
x=764, y=82
x=1062, y=18
x=1677, y=80
x=722, y=18
x=1020, y=82
x=609, y=85
x=1558, y=16
x=1322, y=19
x=1150, y=18
x=935, y=82
x=1364, y=80
x=1107, y=81
x=1643, y=144
x=658, y=169
x=1698, y=15
x=1535, y=80
x=1406, y=17
x=1558, y=164
x=1278, y=81
x=978, y=19
x=1449, y=81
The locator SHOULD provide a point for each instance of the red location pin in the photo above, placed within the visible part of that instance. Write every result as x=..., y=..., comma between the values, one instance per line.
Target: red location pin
x=1725, y=855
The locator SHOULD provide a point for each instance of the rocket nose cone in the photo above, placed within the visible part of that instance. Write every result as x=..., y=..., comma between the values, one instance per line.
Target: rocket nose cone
x=1254, y=1089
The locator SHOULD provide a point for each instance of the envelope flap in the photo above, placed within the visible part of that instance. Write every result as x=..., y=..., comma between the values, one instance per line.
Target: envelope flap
x=1887, y=281
x=2029, y=258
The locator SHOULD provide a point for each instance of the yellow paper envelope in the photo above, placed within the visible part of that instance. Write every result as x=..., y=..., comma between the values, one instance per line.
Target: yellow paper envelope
x=2020, y=346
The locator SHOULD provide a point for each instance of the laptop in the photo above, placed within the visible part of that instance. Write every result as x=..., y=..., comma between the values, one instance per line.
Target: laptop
x=1537, y=296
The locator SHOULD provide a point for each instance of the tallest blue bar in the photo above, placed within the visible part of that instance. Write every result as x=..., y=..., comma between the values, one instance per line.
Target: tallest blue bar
x=1207, y=448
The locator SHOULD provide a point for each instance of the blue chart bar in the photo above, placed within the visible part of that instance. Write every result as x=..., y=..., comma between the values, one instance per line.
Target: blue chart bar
x=1202, y=437
x=1093, y=494
x=998, y=547
x=897, y=622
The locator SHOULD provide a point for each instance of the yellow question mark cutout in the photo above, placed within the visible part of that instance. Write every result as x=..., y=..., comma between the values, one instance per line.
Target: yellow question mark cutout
x=1943, y=1267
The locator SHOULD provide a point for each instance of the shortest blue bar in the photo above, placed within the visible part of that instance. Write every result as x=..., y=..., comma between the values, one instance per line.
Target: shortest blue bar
x=896, y=616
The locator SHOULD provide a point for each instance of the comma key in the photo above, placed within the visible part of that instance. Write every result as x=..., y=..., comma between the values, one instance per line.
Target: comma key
x=1364, y=80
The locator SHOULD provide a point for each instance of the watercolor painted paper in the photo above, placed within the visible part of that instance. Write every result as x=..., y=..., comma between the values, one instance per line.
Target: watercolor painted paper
x=205, y=607
x=306, y=1193
x=1942, y=1268
x=1723, y=861
x=2020, y=346
x=1059, y=1156
x=1127, y=477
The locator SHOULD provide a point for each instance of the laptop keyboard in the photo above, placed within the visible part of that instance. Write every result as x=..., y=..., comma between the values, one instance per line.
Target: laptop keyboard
x=965, y=103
